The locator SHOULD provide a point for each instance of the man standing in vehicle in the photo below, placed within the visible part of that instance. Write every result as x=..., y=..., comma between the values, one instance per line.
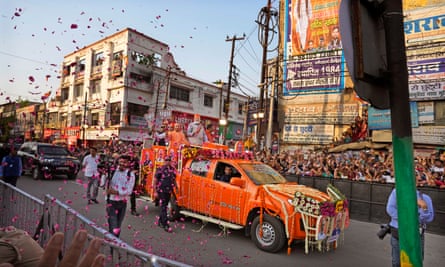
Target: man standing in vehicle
x=91, y=173
x=196, y=132
x=165, y=181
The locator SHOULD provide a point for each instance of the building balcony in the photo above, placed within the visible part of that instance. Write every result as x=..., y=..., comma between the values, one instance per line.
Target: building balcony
x=79, y=77
x=116, y=68
x=96, y=72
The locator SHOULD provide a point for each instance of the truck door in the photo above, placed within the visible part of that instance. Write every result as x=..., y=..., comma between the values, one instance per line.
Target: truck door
x=195, y=186
x=229, y=200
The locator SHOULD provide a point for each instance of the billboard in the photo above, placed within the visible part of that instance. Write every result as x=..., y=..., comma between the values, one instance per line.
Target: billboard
x=425, y=51
x=380, y=119
x=314, y=60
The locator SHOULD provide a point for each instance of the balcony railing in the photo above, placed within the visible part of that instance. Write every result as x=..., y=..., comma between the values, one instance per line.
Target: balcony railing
x=96, y=72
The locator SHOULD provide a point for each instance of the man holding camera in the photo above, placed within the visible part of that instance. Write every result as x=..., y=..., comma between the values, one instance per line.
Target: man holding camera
x=426, y=215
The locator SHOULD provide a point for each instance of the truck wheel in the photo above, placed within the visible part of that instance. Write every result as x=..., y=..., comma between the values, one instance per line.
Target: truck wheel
x=36, y=173
x=273, y=237
x=71, y=176
x=173, y=209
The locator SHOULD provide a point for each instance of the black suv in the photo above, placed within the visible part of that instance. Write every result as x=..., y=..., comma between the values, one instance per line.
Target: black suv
x=44, y=160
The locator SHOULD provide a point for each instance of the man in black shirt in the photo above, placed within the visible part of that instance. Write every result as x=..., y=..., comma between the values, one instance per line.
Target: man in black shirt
x=227, y=174
x=165, y=182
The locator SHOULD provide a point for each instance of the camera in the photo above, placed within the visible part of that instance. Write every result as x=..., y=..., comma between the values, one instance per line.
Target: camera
x=384, y=230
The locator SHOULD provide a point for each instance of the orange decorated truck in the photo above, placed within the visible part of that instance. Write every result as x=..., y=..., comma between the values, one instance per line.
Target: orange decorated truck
x=272, y=211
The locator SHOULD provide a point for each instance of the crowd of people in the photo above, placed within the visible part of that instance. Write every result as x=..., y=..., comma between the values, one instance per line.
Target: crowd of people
x=364, y=165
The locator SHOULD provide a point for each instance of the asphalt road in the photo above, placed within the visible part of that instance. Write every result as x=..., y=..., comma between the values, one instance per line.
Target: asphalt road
x=208, y=247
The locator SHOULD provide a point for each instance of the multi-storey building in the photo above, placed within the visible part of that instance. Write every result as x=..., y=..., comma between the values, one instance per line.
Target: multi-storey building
x=125, y=85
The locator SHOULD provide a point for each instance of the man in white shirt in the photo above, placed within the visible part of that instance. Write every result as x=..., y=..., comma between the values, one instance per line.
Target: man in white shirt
x=91, y=173
x=119, y=189
x=196, y=132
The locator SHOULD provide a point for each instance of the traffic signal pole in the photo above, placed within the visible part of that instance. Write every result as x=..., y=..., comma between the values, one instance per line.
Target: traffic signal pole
x=409, y=237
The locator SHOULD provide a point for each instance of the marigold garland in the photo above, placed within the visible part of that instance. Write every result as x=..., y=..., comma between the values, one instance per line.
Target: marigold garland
x=313, y=206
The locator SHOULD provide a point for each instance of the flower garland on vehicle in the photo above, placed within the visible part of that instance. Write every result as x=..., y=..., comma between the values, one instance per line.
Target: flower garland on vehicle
x=313, y=206
x=193, y=152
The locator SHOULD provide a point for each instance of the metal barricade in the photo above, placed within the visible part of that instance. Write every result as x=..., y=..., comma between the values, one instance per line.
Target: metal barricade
x=44, y=218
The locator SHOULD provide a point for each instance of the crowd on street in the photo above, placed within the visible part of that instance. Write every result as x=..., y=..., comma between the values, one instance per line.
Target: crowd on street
x=357, y=165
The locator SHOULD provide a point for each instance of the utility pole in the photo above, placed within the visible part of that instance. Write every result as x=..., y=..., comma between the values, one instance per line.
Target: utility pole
x=43, y=121
x=167, y=87
x=156, y=105
x=263, y=84
x=408, y=218
x=246, y=116
x=84, y=129
x=227, y=105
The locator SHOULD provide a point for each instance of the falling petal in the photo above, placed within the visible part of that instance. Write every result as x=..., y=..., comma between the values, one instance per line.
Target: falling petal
x=73, y=26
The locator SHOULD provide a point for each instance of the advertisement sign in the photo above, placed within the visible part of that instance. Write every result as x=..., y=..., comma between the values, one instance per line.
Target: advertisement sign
x=380, y=119
x=426, y=112
x=429, y=135
x=422, y=26
x=321, y=113
x=425, y=51
x=308, y=133
x=426, y=69
x=313, y=48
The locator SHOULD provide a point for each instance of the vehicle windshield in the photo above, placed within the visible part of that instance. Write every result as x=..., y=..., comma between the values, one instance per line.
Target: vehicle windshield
x=261, y=173
x=53, y=150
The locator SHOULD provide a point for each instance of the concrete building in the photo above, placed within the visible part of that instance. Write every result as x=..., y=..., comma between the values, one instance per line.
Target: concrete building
x=127, y=84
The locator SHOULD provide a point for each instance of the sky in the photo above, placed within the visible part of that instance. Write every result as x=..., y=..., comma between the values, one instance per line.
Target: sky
x=37, y=34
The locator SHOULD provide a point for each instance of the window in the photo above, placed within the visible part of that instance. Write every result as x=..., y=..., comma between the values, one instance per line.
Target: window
x=140, y=77
x=117, y=56
x=78, y=120
x=240, y=108
x=116, y=64
x=95, y=119
x=136, y=114
x=64, y=93
x=78, y=90
x=179, y=94
x=98, y=59
x=140, y=58
x=95, y=86
x=115, y=113
x=66, y=70
x=208, y=101
x=157, y=57
x=81, y=65
x=200, y=167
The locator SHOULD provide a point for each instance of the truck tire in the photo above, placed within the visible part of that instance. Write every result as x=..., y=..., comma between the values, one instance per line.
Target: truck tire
x=273, y=238
x=173, y=209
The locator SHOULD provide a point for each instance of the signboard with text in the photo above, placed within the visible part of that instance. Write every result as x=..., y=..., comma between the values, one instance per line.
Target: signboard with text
x=329, y=113
x=308, y=133
x=314, y=61
x=380, y=119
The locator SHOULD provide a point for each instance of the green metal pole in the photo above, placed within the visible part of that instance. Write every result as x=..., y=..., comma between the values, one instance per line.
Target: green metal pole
x=409, y=237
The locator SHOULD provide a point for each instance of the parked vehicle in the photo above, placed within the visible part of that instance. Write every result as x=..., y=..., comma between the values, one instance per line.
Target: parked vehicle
x=271, y=210
x=44, y=160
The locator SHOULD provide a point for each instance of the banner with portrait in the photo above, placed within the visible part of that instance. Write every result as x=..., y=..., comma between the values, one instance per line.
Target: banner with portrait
x=314, y=58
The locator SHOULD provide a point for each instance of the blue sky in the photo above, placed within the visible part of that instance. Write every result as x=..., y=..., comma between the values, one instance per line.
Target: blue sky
x=37, y=34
